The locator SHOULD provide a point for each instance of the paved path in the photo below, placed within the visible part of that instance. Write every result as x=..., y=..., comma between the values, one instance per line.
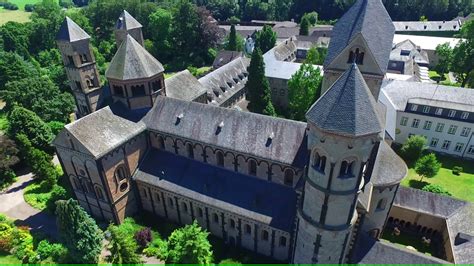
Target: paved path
x=14, y=206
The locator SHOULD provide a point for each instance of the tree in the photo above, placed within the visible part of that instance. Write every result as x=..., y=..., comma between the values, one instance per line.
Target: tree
x=313, y=57
x=427, y=166
x=207, y=33
x=265, y=39
x=15, y=37
x=413, y=148
x=312, y=18
x=24, y=121
x=282, y=9
x=258, y=87
x=189, y=245
x=462, y=64
x=304, y=88
x=433, y=188
x=304, y=26
x=160, y=21
x=445, y=55
x=122, y=247
x=8, y=159
x=14, y=67
x=232, y=44
x=45, y=22
x=78, y=231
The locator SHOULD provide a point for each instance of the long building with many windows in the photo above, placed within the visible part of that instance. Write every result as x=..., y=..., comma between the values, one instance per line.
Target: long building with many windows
x=443, y=114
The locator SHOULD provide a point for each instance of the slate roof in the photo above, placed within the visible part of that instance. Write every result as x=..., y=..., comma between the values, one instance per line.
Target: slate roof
x=414, y=52
x=71, y=32
x=103, y=131
x=133, y=61
x=184, y=86
x=389, y=168
x=401, y=26
x=127, y=22
x=242, y=132
x=257, y=199
x=347, y=108
x=461, y=234
x=369, y=18
x=224, y=57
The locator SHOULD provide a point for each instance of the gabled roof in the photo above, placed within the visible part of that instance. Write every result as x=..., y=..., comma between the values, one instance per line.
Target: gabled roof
x=184, y=86
x=133, y=61
x=347, y=108
x=369, y=18
x=71, y=32
x=127, y=22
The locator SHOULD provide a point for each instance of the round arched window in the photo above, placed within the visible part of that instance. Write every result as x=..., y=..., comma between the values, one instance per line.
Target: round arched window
x=123, y=186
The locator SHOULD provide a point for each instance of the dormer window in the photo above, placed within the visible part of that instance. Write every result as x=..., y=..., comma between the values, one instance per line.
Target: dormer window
x=426, y=109
x=414, y=107
x=464, y=115
x=452, y=113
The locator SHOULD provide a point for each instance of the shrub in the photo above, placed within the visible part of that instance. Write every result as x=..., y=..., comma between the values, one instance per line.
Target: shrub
x=58, y=193
x=23, y=244
x=29, y=7
x=433, y=188
x=229, y=262
x=6, y=237
x=457, y=170
x=10, y=6
x=55, y=251
x=157, y=248
x=143, y=237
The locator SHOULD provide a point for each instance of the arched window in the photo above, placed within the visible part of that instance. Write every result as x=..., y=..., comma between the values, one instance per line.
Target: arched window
x=356, y=56
x=265, y=235
x=319, y=162
x=190, y=150
x=216, y=218
x=382, y=204
x=200, y=213
x=170, y=203
x=350, y=60
x=289, y=177
x=157, y=197
x=184, y=206
x=248, y=229
x=232, y=223
x=145, y=194
x=120, y=173
x=346, y=169
x=77, y=184
x=98, y=192
x=252, y=167
x=220, y=158
x=161, y=142
x=282, y=241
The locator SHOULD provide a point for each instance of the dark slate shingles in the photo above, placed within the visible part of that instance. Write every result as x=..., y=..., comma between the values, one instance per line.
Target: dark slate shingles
x=369, y=18
x=127, y=22
x=184, y=86
x=389, y=168
x=250, y=197
x=347, y=108
x=71, y=32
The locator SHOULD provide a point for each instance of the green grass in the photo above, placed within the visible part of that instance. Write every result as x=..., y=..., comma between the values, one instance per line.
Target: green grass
x=37, y=195
x=6, y=258
x=13, y=15
x=405, y=240
x=3, y=121
x=461, y=186
x=170, y=74
x=444, y=81
x=21, y=3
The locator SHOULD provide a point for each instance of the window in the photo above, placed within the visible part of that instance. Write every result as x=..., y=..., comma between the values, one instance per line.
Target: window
x=404, y=121
x=464, y=115
x=171, y=203
x=356, y=57
x=414, y=107
x=446, y=145
x=289, y=177
x=232, y=223
x=138, y=91
x=426, y=109
x=145, y=194
x=156, y=86
x=161, y=142
x=439, y=111
x=157, y=197
x=319, y=162
x=265, y=235
x=451, y=113
x=70, y=60
x=83, y=58
x=282, y=241
x=190, y=150
x=248, y=229
x=471, y=149
x=382, y=204
x=216, y=218
x=252, y=167
x=452, y=129
x=220, y=158
x=99, y=193
x=123, y=186
x=120, y=173
x=427, y=125
x=459, y=147
x=465, y=131
x=439, y=127
x=346, y=169
x=184, y=206
x=416, y=123
x=118, y=91
x=78, y=85
x=282, y=92
x=434, y=142
x=200, y=212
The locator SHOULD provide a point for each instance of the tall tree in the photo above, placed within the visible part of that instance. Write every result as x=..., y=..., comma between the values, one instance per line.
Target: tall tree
x=122, y=247
x=413, y=148
x=160, y=21
x=304, y=26
x=189, y=245
x=445, y=55
x=304, y=88
x=14, y=67
x=232, y=45
x=462, y=63
x=265, y=39
x=15, y=37
x=427, y=166
x=258, y=87
x=8, y=158
x=78, y=231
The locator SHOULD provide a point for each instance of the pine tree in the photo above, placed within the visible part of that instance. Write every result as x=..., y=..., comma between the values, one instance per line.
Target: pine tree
x=232, y=46
x=258, y=87
x=304, y=26
x=78, y=231
x=122, y=247
x=189, y=245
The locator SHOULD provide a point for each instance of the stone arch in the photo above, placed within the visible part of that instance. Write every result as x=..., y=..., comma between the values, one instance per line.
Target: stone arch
x=348, y=167
x=289, y=177
x=78, y=166
x=382, y=204
x=92, y=170
x=319, y=160
x=390, y=219
x=99, y=192
x=189, y=150
x=252, y=167
x=76, y=184
x=220, y=158
x=180, y=144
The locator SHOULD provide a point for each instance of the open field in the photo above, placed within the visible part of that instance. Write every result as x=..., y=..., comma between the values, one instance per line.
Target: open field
x=13, y=15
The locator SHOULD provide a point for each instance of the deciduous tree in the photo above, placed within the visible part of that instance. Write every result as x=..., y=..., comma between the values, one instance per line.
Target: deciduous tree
x=122, y=247
x=413, y=148
x=189, y=245
x=265, y=39
x=427, y=166
x=304, y=88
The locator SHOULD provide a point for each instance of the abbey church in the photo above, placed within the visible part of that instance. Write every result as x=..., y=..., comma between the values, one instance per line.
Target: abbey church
x=313, y=192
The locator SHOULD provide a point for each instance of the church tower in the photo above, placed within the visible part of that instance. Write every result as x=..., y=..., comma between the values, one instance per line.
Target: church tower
x=128, y=25
x=344, y=131
x=79, y=61
x=363, y=35
x=135, y=77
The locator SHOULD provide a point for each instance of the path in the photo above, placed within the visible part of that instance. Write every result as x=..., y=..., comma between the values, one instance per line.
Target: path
x=14, y=206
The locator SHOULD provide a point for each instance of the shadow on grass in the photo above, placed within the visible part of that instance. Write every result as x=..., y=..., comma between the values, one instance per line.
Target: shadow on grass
x=417, y=183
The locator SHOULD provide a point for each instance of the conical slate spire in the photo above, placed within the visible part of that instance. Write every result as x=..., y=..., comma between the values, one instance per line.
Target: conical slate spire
x=369, y=18
x=71, y=32
x=127, y=22
x=132, y=61
x=347, y=108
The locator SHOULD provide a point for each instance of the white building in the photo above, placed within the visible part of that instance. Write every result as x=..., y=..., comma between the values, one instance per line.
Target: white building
x=444, y=115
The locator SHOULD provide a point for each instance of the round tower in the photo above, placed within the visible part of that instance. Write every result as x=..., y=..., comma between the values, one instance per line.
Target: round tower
x=344, y=130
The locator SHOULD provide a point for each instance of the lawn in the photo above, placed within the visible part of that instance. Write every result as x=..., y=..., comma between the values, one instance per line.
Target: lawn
x=13, y=15
x=445, y=81
x=21, y=3
x=6, y=258
x=405, y=240
x=461, y=186
x=3, y=121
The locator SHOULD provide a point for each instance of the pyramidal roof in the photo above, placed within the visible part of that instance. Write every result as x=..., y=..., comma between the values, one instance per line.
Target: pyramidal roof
x=127, y=22
x=347, y=108
x=71, y=32
x=369, y=18
x=132, y=61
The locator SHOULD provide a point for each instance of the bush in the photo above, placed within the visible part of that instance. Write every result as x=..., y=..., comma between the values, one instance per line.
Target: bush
x=7, y=177
x=229, y=262
x=10, y=6
x=66, y=3
x=6, y=237
x=457, y=170
x=433, y=188
x=157, y=248
x=29, y=7
x=23, y=244
x=55, y=251
x=56, y=127
x=143, y=237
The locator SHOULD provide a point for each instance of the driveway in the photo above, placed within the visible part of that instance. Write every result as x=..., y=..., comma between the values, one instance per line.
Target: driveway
x=14, y=206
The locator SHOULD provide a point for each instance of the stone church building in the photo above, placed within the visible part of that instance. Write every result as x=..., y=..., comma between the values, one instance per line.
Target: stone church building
x=298, y=192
